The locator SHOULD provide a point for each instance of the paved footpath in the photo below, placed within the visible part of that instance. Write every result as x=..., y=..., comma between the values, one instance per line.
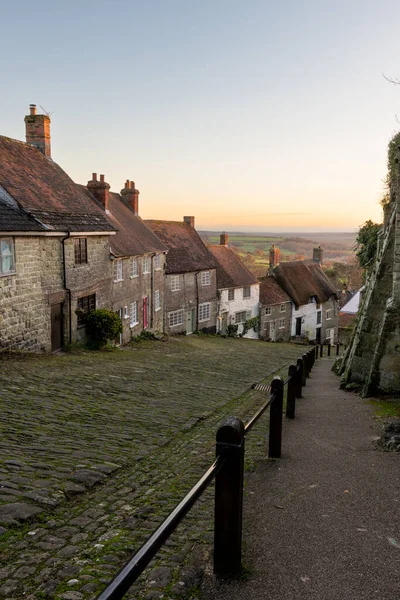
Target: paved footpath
x=324, y=521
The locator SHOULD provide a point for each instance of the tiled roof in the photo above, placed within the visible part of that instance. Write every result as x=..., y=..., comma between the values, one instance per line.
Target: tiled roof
x=231, y=272
x=303, y=279
x=186, y=250
x=13, y=219
x=271, y=292
x=45, y=191
x=133, y=237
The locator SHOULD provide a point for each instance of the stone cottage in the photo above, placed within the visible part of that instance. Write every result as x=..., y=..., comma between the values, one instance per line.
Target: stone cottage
x=55, y=240
x=191, y=279
x=275, y=311
x=138, y=261
x=315, y=301
x=238, y=291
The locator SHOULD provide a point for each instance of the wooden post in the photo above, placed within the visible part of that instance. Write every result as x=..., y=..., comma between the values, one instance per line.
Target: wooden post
x=299, y=377
x=337, y=349
x=316, y=351
x=321, y=348
x=329, y=349
x=291, y=393
x=275, y=419
x=229, y=498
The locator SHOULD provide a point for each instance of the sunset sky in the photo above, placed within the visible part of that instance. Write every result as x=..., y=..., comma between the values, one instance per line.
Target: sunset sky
x=249, y=115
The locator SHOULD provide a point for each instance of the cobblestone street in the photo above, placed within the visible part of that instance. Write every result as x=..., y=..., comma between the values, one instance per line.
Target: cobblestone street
x=97, y=448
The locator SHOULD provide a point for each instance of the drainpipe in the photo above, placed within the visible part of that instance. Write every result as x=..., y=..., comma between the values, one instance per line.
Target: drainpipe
x=197, y=300
x=152, y=292
x=65, y=286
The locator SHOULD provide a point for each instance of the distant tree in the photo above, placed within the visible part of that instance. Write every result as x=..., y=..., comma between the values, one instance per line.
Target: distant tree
x=367, y=244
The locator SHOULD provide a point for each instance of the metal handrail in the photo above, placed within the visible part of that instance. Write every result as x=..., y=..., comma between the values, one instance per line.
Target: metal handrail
x=136, y=565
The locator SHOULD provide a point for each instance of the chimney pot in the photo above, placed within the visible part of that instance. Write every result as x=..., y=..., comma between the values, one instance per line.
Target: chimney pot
x=94, y=176
x=101, y=178
x=32, y=109
x=132, y=185
x=127, y=184
x=189, y=221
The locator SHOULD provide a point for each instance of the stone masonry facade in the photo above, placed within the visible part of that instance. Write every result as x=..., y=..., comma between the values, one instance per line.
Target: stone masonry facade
x=27, y=295
x=373, y=357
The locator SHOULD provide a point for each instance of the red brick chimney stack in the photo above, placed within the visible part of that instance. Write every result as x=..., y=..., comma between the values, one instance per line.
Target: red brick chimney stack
x=189, y=221
x=318, y=255
x=100, y=190
x=37, y=128
x=130, y=196
x=273, y=256
x=223, y=239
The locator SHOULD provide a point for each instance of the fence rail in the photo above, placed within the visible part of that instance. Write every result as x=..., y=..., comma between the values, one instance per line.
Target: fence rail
x=228, y=472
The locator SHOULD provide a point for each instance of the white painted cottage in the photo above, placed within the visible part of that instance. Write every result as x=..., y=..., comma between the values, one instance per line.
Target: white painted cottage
x=238, y=292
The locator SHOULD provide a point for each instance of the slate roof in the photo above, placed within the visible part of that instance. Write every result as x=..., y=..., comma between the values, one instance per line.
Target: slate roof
x=231, y=272
x=186, y=250
x=13, y=219
x=302, y=279
x=271, y=292
x=133, y=237
x=45, y=192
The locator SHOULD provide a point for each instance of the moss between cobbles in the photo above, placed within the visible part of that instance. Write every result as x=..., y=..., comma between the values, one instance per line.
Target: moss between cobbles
x=163, y=477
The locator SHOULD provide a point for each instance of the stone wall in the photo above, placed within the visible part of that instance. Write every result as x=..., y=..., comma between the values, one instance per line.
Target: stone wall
x=373, y=357
x=134, y=289
x=93, y=277
x=27, y=295
x=188, y=297
x=277, y=334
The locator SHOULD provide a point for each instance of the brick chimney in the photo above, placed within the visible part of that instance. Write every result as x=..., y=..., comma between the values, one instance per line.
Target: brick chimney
x=37, y=128
x=100, y=190
x=189, y=221
x=223, y=239
x=130, y=195
x=273, y=256
x=318, y=255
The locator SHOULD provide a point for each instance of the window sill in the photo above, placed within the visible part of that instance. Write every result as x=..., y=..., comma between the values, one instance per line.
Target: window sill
x=118, y=280
x=8, y=274
x=132, y=326
x=133, y=276
x=157, y=309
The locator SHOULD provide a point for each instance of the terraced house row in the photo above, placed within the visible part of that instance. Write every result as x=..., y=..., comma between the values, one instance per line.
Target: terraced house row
x=66, y=249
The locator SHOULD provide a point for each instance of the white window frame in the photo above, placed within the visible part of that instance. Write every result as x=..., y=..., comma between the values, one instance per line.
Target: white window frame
x=134, y=268
x=319, y=317
x=146, y=265
x=157, y=302
x=330, y=334
x=231, y=293
x=157, y=262
x=126, y=312
x=283, y=308
x=118, y=272
x=175, y=283
x=175, y=318
x=133, y=314
x=204, y=312
x=240, y=317
x=246, y=292
x=3, y=256
x=328, y=314
x=205, y=278
x=268, y=311
x=281, y=324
